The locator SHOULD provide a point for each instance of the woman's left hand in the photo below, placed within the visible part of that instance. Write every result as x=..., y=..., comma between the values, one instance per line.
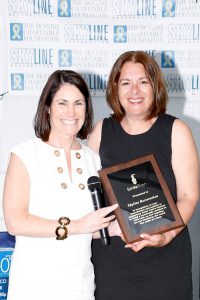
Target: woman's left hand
x=157, y=240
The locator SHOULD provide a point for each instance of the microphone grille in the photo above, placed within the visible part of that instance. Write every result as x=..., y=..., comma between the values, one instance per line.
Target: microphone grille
x=93, y=183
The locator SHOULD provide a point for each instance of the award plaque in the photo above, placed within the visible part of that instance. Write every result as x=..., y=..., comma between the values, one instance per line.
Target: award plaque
x=145, y=201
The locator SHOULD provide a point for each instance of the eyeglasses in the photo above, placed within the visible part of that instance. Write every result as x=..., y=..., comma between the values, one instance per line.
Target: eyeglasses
x=2, y=95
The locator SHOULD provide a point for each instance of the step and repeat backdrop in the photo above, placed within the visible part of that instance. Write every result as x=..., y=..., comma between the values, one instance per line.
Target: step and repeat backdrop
x=39, y=36
x=88, y=35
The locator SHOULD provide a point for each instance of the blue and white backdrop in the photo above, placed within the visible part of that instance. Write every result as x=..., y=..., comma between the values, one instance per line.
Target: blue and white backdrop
x=40, y=36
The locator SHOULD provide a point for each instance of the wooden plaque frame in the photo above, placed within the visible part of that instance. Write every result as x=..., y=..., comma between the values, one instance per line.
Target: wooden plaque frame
x=128, y=184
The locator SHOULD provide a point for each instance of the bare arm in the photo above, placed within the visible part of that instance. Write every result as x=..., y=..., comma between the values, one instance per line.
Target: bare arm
x=185, y=164
x=94, y=139
x=16, y=208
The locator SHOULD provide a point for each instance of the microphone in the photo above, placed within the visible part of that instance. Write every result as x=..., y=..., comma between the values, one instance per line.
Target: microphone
x=94, y=186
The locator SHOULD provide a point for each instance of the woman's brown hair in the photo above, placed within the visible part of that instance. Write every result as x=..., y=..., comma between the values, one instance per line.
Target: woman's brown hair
x=42, y=125
x=153, y=74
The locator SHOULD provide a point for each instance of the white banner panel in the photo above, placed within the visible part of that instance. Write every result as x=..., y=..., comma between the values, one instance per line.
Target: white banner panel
x=88, y=35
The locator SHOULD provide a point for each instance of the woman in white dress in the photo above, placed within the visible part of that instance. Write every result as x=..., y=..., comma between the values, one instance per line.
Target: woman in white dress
x=47, y=204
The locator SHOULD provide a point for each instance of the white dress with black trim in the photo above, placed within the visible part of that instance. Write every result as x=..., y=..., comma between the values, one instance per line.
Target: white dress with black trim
x=45, y=268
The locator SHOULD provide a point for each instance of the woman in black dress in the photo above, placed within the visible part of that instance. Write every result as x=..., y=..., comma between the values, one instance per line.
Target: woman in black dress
x=158, y=266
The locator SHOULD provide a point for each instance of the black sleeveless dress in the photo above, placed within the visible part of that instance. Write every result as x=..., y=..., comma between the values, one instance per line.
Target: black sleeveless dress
x=162, y=273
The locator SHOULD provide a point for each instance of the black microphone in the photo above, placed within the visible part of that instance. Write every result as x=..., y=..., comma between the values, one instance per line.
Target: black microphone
x=94, y=186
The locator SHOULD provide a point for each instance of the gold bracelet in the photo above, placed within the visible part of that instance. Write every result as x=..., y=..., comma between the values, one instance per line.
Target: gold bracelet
x=63, y=221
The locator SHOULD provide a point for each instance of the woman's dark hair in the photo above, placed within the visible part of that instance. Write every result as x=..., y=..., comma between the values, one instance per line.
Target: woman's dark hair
x=153, y=74
x=42, y=125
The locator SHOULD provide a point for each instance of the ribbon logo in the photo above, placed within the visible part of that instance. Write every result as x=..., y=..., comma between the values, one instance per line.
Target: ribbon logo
x=17, y=82
x=64, y=6
x=65, y=58
x=133, y=179
x=16, y=29
x=120, y=34
x=167, y=59
x=168, y=8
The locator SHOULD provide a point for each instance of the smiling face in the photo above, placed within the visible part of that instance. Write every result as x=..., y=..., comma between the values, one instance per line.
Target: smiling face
x=134, y=90
x=67, y=111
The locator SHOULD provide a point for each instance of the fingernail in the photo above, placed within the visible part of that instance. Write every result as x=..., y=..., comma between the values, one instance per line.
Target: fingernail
x=113, y=206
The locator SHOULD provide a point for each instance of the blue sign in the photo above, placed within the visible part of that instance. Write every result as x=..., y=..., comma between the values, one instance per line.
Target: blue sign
x=3, y=287
x=5, y=262
x=7, y=243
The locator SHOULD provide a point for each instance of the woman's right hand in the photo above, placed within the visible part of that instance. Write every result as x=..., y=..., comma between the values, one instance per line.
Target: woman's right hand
x=93, y=221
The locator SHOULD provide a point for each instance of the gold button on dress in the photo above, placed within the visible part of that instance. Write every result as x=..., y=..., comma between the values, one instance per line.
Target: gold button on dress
x=78, y=156
x=64, y=185
x=81, y=186
x=79, y=170
x=60, y=170
x=57, y=153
